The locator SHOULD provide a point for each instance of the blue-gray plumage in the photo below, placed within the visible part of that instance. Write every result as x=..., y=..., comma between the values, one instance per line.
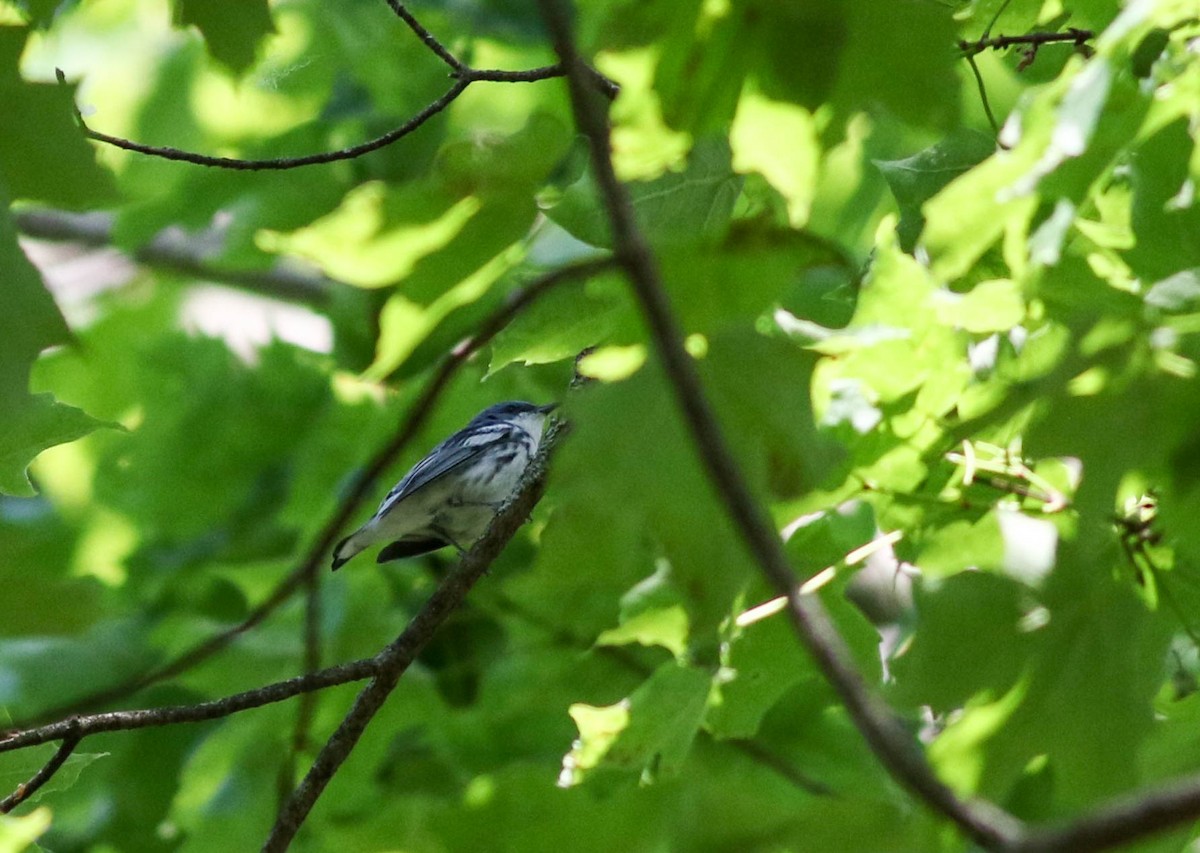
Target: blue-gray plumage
x=450, y=496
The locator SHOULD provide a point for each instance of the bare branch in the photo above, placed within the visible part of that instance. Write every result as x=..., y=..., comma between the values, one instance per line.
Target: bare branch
x=1075, y=36
x=27, y=789
x=278, y=163
x=1123, y=820
x=116, y=721
x=427, y=38
x=891, y=743
x=461, y=70
x=394, y=660
x=175, y=251
x=464, y=77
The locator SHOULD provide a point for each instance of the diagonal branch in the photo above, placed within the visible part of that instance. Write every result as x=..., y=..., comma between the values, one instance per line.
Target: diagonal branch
x=427, y=38
x=394, y=660
x=422, y=407
x=27, y=789
x=888, y=739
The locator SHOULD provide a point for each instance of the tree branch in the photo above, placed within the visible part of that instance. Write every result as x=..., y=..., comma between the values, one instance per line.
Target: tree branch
x=394, y=660
x=27, y=789
x=887, y=738
x=463, y=76
x=172, y=250
x=427, y=38
x=1073, y=35
x=1123, y=820
x=279, y=163
x=421, y=408
x=117, y=721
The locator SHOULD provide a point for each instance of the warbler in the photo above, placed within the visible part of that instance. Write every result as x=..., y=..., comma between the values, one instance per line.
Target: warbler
x=450, y=496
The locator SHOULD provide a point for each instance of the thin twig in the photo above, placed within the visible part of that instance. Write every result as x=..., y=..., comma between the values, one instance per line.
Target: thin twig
x=27, y=789
x=891, y=742
x=117, y=721
x=427, y=38
x=464, y=77
x=1073, y=36
x=278, y=163
x=394, y=660
x=983, y=97
x=461, y=70
x=996, y=17
x=418, y=413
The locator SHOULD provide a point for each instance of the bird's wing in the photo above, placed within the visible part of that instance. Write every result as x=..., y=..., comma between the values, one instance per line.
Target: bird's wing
x=453, y=453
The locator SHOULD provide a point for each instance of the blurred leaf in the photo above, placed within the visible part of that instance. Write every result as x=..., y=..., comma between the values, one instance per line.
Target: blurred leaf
x=30, y=428
x=648, y=733
x=1092, y=755
x=43, y=154
x=751, y=270
x=18, y=834
x=232, y=31
x=969, y=642
x=687, y=207
x=17, y=767
x=758, y=667
x=916, y=179
x=33, y=321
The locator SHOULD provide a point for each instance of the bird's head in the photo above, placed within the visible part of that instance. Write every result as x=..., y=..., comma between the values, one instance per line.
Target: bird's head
x=526, y=416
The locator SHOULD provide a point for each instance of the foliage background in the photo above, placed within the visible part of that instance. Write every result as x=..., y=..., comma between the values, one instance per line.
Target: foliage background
x=867, y=281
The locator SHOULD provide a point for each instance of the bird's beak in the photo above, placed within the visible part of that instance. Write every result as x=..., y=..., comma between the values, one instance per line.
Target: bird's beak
x=548, y=408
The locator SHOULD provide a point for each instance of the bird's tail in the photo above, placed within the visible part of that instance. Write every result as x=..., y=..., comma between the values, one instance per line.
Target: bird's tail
x=348, y=547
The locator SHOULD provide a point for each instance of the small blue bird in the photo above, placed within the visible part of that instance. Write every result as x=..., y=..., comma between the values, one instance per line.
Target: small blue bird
x=450, y=496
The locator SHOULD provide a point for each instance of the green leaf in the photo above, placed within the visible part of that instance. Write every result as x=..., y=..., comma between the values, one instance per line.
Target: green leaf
x=752, y=270
x=232, y=31
x=18, y=834
x=759, y=666
x=968, y=641
x=962, y=545
x=560, y=325
x=17, y=767
x=990, y=306
x=30, y=428
x=32, y=322
x=687, y=207
x=648, y=733
x=988, y=749
x=916, y=179
x=43, y=154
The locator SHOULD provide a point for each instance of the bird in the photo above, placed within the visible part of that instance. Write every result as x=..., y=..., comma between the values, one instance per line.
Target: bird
x=450, y=496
